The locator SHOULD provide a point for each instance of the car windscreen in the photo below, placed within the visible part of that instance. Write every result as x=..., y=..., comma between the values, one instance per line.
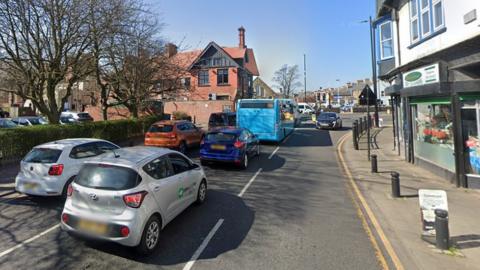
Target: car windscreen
x=327, y=116
x=257, y=105
x=161, y=128
x=43, y=155
x=37, y=121
x=221, y=137
x=107, y=177
x=5, y=123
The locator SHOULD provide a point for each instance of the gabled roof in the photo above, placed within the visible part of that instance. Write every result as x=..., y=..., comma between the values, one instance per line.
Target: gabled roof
x=189, y=58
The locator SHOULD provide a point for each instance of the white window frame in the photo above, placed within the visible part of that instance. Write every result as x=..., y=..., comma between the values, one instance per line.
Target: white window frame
x=413, y=18
x=434, y=15
x=383, y=57
x=423, y=11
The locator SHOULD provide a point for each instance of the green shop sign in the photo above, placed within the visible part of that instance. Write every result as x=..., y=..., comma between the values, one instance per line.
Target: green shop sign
x=421, y=76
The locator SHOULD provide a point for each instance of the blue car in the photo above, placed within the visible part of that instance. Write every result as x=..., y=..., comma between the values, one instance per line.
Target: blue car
x=230, y=145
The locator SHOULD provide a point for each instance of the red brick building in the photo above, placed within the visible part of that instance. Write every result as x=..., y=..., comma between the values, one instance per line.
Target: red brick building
x=213, y=75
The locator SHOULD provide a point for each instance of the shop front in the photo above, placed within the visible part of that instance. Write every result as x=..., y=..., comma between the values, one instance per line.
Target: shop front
x=433, y=134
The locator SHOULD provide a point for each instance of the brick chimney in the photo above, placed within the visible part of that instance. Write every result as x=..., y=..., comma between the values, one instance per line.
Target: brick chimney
x=170, y=49
x=241, y=37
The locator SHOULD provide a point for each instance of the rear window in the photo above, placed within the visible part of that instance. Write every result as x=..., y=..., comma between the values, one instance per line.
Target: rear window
x=161, y=128
x=256, y=105
x=221, y=137
x=107, y=177
x=43, y=155
x=216, y=119
x=232, y=120
x=83, y=115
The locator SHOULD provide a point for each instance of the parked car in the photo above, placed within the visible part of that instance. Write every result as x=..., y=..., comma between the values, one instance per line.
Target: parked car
x=4, y=114
x=29, y=121
x=48, y=168
x=7, y=123
x=329, y=120
x=76, y=116
x=177, y=134
x=305, y=108
x=129, y=196
x=232, y=145
x=223, y=119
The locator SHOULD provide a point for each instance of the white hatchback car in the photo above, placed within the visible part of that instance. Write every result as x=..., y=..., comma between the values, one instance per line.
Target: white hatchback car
x=48, y=168
x=128, y=196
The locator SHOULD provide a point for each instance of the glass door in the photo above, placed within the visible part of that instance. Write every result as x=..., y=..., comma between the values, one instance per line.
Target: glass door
x=470, y=126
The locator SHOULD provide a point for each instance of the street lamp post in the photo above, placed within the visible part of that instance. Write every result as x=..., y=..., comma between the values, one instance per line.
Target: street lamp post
x=338, y=92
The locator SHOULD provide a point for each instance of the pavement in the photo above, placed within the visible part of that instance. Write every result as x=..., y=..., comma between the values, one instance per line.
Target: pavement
x=291, y=209
x=399, y=218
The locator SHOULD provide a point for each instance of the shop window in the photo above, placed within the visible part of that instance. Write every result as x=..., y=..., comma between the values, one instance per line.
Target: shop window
x=470, y=117
x=434, y=134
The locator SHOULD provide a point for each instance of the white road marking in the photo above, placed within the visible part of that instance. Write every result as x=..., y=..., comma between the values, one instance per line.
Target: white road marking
x=28, y=241
x=204, y=244
x=249, y=183
x=273, y=153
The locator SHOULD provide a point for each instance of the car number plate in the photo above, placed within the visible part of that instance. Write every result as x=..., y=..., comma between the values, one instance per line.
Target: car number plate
x=218, y=147
x=30, y=185
x=93, y=227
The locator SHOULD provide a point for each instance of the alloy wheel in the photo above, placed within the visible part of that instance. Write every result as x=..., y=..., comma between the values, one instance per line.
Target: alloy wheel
x=153, y=232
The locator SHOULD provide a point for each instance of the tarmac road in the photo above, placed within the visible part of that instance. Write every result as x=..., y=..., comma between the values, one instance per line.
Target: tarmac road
x=288, y=210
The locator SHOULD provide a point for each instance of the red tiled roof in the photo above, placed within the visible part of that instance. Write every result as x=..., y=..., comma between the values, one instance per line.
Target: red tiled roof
x=235, y=52
x=252, y=63
x=185, y=59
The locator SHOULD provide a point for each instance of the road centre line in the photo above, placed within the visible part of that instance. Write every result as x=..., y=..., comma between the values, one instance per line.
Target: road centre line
x=273, y=153
x=28, y=241
x=204, y=244
x=249, y=183
x=381, y=234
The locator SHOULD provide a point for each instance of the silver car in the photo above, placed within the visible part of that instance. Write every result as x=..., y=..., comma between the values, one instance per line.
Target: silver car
x=128, y=196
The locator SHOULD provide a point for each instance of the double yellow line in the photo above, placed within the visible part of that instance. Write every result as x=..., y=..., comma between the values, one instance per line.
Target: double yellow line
x=373, y=220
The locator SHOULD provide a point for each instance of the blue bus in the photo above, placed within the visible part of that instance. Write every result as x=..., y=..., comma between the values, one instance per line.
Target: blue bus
x=269, y=119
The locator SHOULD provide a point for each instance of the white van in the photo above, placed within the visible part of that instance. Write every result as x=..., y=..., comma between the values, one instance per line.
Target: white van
x=305, y=108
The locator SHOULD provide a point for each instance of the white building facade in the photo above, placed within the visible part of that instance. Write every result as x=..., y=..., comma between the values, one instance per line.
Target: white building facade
x=429, y=55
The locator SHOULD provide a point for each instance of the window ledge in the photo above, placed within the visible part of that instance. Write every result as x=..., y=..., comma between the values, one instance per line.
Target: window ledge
x=223, y=84
x=438, y=32
x=204, y=85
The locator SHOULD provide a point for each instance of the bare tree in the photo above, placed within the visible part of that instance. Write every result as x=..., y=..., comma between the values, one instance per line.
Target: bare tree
x=135, y=58
x=108, y=21
x=287, y=79
x=44, y=43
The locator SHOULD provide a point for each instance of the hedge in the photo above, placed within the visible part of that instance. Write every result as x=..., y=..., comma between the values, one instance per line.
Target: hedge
x=15, y=143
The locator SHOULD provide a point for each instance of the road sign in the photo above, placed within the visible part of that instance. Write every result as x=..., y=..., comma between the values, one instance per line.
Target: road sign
x=430, y=200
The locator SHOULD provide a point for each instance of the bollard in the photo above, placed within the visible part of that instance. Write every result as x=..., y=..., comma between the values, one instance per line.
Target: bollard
x=374, y=163
x=395, y=184
x=442, y=235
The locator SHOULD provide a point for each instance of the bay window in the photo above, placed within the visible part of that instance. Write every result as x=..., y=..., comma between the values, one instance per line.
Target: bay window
x=386, y=40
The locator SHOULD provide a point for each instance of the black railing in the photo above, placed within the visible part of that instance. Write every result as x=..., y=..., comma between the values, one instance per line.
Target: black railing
x=359, y=128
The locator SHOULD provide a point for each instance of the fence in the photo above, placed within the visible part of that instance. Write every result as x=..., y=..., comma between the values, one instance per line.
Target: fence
x=359, y=128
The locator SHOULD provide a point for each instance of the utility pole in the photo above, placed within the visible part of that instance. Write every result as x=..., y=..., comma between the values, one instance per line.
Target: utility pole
x=374, y=71
x=305, y=76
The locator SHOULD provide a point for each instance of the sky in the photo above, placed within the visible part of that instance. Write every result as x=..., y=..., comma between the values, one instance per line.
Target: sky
x=329, y=32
